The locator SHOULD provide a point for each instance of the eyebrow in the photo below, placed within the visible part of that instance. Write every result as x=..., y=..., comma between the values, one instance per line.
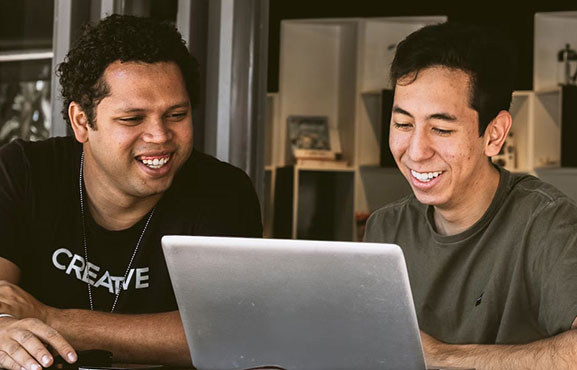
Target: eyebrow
x=397, y=109
x=443, y=116
x=440, y=116
x=137, y=110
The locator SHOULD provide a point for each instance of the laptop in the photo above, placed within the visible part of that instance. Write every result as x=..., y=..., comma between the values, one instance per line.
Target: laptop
x=294, y=304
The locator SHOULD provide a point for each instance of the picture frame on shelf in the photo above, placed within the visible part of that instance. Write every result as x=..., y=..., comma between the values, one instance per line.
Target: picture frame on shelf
x=311, y=137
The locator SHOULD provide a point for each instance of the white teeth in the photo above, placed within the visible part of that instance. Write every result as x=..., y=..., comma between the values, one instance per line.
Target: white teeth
x=156, y=162
x=425, y=176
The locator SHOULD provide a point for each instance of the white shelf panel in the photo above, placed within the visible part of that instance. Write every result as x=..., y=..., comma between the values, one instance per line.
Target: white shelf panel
x=25, y=55
x=322, y=168
x=553, y=30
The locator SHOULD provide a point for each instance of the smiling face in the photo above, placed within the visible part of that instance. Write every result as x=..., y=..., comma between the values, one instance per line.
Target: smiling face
x=434, y=138
x=142, y=134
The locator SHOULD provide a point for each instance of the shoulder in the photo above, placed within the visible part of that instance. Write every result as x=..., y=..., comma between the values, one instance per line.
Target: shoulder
x=40, y=157
x=13, y=152
x=536, y=195
x=386, y=222
x=408, y=205
x=206, y=180
x=208, y=164
x=209, y=174
x=545, y=216
x=215, y=197
x=54, y=144
x=38, y=153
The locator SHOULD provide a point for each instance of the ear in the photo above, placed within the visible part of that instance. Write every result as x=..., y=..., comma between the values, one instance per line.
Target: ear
x=497, y=132
x=79, y=122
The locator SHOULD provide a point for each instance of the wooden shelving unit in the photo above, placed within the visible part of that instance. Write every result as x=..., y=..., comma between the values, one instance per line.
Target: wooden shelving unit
x=335, y=68
x=339, y=68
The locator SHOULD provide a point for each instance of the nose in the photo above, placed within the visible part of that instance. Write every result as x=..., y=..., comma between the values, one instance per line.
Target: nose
x=420, y=147
x=157, y=130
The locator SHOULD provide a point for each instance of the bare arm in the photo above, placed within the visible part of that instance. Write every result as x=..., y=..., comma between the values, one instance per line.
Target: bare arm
x=9, y=271
x=558, y=352
x=152, y=338
x=146, y=338
x=23, y=342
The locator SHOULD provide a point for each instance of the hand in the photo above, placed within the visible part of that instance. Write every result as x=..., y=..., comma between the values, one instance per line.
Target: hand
x=23, y=344
x=18, y=303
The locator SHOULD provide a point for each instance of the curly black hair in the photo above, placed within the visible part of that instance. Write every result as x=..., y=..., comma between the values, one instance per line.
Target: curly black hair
x=121, y=38
x=483, y=53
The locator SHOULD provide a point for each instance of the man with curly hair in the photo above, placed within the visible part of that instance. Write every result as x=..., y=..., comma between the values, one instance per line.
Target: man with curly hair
x=81, y=217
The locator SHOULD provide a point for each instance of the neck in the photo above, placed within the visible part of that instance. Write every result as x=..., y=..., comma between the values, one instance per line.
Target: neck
x=454, y=219
x=112, y=216
x=110, y=208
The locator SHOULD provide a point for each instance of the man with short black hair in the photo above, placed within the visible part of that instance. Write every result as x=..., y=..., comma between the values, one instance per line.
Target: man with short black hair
x=491, y=255
x=81, y=217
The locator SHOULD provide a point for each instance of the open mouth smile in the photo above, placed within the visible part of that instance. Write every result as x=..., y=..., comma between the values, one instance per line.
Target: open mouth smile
x=155, y=162
x=425, y=176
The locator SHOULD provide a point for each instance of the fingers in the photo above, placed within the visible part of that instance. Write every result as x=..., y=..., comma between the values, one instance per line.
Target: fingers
x=7, y=362
x=56, y=341
x=23, y=345
x=22, y=359
x=14, y=356
x=30, y=351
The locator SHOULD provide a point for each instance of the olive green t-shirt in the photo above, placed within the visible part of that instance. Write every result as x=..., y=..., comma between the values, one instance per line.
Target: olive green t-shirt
x=510, y=278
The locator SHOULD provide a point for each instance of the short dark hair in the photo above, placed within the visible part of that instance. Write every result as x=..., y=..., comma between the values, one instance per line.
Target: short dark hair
x=121, y=38
x=479, y=52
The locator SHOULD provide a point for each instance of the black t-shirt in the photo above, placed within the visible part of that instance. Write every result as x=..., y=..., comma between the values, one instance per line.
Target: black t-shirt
x=41, y=227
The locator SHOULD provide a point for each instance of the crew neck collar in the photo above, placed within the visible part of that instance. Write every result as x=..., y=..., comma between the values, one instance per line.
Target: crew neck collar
x=498, y=198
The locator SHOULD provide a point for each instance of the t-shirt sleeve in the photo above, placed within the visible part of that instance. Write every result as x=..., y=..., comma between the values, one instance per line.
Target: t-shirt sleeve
x=374, y=231
x=554, y=268
x=383, y=225
x=247, y=210
x=231, y=207
x=13, y=201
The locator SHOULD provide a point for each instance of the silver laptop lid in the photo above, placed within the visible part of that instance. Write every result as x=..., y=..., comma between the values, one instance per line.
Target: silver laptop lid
x=294, y=304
